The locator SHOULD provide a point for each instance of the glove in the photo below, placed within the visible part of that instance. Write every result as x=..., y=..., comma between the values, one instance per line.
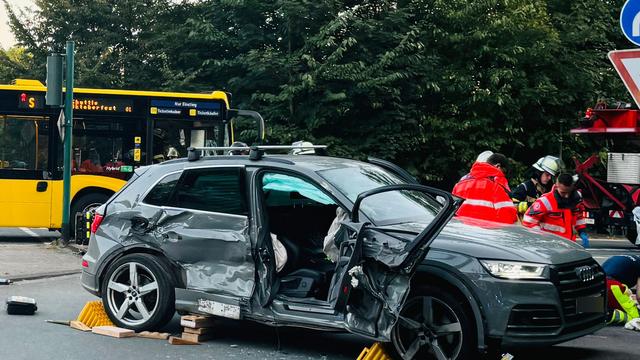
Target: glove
x=522, y=207
x=633, y=324
x=585, y=239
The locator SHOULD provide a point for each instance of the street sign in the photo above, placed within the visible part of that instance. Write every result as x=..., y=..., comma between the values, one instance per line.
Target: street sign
x=630, y=20
x=627, y=64
x=61, y=125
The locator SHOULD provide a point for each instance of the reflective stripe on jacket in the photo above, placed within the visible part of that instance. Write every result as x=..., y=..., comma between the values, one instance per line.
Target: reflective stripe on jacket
x=486, y=194
x=548, y=216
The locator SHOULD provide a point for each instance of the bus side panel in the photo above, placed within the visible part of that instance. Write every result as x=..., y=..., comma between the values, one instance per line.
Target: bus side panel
x=78, y=183
x=22, y=205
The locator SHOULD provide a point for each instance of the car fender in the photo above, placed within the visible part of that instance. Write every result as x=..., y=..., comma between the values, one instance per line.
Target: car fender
x=119, y=251
x=453, y=278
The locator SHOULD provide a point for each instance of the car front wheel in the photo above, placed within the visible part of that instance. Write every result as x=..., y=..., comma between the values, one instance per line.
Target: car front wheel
x=434, y=324
x=137, y=292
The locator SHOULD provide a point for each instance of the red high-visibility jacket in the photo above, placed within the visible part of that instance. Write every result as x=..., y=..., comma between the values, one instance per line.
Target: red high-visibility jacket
x=548, y=216
x=486, y=191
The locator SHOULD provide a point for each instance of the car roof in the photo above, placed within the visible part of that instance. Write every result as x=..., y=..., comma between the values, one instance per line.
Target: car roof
x=308, y=162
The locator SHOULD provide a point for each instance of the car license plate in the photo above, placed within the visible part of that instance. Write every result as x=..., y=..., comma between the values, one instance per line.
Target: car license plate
x=590, y=304
x=590, y=221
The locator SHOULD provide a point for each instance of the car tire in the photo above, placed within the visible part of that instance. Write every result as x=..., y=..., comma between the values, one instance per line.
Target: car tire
x=451, y=327
x=82, y=204
x=145, y=301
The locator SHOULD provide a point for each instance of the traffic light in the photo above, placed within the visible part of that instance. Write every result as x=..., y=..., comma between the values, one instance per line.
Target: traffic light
x=54, y=80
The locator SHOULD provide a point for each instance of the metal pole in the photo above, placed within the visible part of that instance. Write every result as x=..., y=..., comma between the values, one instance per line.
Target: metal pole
x=68, y=144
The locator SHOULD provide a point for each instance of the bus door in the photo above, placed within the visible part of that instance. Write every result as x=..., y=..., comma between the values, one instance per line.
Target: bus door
x=25, y=185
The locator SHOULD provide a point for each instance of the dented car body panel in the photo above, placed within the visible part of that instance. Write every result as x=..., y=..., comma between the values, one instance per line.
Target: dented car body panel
x=225, y=262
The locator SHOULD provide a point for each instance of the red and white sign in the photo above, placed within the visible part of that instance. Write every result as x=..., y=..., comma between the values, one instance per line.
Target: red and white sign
x=627, y=64
x=616, y=214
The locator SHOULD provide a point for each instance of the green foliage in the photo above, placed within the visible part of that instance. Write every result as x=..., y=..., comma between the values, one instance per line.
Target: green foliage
x=428, y=84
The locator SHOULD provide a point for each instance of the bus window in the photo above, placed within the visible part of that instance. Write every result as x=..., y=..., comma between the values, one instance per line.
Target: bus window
x=103, y=146
x=171, y=138
x=24, y=142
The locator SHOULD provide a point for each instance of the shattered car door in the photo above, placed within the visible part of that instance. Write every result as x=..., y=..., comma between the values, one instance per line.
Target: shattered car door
x=382, y=260
x=204, y=228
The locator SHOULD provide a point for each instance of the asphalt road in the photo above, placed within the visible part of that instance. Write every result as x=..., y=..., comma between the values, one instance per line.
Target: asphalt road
x=62, y=298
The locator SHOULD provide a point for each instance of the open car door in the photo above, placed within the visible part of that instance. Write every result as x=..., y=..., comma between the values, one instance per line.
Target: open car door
x=377, y=262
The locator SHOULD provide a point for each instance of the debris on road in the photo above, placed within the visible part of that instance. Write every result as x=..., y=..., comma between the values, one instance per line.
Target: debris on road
x=113, y=331
x=375, y=352
x=21, y=305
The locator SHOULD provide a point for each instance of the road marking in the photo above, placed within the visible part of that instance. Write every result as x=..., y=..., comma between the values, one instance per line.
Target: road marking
x=29, y=232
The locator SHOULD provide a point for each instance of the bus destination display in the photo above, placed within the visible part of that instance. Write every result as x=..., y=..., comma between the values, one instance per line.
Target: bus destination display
x=95, y=104
x=185, y=108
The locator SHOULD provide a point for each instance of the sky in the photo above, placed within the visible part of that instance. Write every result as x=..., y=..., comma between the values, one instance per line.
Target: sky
x=6, y=38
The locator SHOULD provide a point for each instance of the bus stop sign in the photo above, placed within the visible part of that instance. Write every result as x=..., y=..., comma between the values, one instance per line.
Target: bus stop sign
x=630, y=20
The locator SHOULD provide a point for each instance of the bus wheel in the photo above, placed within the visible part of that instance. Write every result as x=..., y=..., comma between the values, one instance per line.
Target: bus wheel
x=83, y=204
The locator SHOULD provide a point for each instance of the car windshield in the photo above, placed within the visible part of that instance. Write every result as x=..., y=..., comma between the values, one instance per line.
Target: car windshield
x=393, y=207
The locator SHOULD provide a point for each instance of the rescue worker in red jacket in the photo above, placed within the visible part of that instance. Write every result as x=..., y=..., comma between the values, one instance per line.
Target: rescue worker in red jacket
x=486, y=192
x=559, y=211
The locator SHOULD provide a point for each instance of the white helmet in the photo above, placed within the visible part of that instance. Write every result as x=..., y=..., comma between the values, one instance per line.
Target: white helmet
x=550, y=164
x=304, y=151
x=484, y=156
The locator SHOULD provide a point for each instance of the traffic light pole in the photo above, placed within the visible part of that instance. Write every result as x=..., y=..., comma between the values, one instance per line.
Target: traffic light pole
x=68, y=144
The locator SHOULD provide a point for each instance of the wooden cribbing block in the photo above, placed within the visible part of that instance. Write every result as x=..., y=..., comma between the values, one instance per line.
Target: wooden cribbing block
x=197, y=337
x=153, y=335
x=79, y=325
x=199, y=331
x=196, y=321
x=113, y=331
x=179, y=341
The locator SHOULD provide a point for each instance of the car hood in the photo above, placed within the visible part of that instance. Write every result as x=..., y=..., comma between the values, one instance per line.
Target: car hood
x=489, y=240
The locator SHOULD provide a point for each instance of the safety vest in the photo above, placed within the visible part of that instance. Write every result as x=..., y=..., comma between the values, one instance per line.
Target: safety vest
x=545, y=214
x=486, y=195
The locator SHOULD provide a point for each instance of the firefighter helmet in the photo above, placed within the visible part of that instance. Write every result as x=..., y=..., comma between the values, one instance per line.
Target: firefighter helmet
x=550, y=164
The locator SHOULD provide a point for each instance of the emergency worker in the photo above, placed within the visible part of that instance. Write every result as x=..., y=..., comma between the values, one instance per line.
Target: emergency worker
x=623, y=273
x=482, y=157
x=486, y=191
x=559, y=211
x=541, y=174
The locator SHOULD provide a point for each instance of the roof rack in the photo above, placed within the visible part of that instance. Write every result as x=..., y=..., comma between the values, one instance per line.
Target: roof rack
x=255, y=152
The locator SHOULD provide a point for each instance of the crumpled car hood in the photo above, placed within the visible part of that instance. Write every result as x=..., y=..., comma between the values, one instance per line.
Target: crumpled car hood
x=489, y=240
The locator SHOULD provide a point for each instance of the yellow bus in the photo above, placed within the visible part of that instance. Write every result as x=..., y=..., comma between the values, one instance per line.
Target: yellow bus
x=114, y=132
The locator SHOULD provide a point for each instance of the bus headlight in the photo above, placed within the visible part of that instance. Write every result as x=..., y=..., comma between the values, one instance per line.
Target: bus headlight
x=515, y=270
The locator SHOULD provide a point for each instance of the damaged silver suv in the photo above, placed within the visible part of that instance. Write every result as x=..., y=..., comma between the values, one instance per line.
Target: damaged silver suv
x=333, y=244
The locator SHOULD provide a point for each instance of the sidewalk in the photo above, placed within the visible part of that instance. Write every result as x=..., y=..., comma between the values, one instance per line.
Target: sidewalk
x=22, y=261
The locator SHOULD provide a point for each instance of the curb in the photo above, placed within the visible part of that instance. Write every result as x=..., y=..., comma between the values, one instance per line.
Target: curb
x=44, y=275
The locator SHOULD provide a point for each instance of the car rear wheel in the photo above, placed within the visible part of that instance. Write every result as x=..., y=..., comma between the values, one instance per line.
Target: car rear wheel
x=138, y=293
x=434, y=324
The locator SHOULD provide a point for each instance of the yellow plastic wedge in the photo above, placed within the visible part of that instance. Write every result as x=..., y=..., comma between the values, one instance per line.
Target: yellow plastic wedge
x=375, y=352
x=93, y=314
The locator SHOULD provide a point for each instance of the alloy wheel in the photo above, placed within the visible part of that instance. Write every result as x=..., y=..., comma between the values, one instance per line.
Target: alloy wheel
x=132, y=293
x=428, y=328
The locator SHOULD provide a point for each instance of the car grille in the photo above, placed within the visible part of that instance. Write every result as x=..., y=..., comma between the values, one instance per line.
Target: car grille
x=547, y=320
x=572, y=287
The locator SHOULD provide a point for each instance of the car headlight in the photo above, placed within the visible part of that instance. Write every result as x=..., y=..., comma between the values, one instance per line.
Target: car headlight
x=515, y=269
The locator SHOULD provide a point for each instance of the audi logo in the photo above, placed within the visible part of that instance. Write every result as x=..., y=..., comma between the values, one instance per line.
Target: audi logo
x=586, y=273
